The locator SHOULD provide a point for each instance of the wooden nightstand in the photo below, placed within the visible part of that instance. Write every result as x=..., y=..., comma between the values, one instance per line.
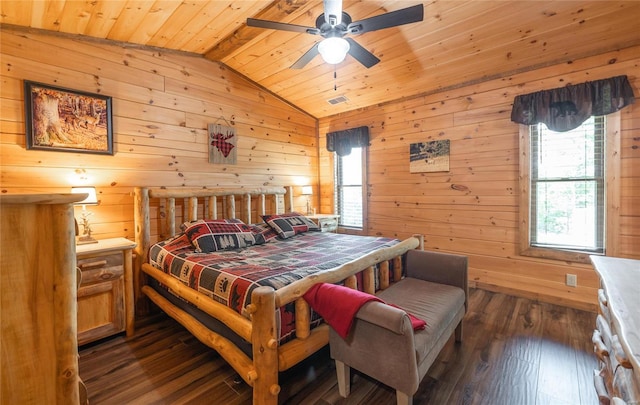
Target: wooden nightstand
x=105, y=296
x=326, y=222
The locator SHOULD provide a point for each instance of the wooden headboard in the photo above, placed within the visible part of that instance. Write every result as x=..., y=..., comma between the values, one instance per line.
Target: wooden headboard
x=197, y=203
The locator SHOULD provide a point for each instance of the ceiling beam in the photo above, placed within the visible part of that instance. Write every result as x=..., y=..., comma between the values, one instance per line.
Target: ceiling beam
x=279, y=10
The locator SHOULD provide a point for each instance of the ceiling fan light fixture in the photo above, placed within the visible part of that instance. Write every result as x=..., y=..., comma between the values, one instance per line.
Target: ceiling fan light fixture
x=333, y=50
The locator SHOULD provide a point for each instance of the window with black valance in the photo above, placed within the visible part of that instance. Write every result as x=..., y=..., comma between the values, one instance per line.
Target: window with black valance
x=566, y=108
x=341, y=142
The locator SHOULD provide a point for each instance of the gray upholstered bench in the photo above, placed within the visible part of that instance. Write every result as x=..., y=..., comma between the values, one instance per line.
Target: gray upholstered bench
x=382, y=342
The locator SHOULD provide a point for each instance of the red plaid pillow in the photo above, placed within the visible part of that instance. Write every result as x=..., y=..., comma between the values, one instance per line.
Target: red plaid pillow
x=287, y=225
x=263, y=233
x=208, y=236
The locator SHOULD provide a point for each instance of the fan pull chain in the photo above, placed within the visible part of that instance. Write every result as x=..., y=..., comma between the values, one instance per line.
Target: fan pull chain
x=335, y=78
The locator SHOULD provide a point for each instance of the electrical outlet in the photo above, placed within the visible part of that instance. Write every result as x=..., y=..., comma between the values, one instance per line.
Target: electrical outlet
x=572, y=280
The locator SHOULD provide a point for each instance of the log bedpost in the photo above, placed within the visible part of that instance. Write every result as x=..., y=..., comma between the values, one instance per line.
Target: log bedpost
x=290, y=198
x=263, y=204
x=143, y=241
x=170, y=220
x=264, y=343
x=213, y=207
x=231, y=206
x=247, y=207
x=193, y=209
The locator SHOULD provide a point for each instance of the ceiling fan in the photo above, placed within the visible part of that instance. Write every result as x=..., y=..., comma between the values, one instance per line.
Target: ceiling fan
x=334, y=24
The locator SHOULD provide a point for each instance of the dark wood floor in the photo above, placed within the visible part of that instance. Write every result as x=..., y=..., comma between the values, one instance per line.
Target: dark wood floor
x=515, y=351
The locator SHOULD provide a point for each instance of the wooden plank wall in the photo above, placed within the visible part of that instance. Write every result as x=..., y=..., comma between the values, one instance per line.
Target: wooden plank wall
x=473, y=208
x=162, y=103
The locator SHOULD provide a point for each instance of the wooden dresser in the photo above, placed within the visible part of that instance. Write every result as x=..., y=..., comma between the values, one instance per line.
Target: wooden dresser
x=39, y=341
x=616, y=338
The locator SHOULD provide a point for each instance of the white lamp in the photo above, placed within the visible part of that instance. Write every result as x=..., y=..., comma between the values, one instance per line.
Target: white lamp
x=92, y=199
x=307, y=190
x=333, y=50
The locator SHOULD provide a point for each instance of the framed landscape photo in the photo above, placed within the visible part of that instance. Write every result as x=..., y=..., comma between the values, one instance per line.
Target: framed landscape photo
x=64, y=120
x=432, y=156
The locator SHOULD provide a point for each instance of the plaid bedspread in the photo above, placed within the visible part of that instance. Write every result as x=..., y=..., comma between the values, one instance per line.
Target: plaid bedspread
x=230, y=276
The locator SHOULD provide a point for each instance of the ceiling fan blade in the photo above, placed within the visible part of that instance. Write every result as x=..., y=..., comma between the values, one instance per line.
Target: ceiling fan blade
x=333, y=12
x=306, y=58
x=273, y=25
x=392, y=19
x=361, y=55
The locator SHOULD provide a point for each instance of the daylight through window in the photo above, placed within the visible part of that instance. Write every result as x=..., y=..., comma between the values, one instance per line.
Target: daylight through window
x=348, y=193
x=567, y=206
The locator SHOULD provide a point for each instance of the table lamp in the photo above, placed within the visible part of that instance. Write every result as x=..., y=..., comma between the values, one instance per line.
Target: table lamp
x=307, y=191
x=92, y=199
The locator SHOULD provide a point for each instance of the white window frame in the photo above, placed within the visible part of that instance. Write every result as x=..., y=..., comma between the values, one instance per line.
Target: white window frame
x=350, y=229
x=612, y=197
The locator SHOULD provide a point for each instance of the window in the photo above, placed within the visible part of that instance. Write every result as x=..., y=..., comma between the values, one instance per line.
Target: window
x=564, y=198
x=349, y=190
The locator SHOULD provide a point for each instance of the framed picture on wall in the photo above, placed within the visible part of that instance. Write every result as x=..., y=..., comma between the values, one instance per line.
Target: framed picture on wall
x=64, y=120
x=432, y=156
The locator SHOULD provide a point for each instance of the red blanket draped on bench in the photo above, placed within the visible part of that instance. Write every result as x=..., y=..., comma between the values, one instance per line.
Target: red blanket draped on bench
x=338, y=305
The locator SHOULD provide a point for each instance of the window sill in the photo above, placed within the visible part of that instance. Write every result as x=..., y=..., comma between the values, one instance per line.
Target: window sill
x=556, y=254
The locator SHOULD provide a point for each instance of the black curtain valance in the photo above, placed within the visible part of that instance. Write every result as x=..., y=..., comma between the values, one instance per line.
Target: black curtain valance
x=566, y=108
x=341, y=142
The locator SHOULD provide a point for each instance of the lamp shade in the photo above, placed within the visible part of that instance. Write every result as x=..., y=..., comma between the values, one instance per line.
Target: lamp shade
x=307, y=190
x=333, y=50
x=92, y=197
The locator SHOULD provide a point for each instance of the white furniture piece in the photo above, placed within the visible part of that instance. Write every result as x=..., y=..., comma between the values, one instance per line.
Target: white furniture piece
x=326, y=222
x=105, y=296
x=616, y=338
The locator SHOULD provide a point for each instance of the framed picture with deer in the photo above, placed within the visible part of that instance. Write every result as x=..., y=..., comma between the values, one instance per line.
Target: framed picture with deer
x=66, y=120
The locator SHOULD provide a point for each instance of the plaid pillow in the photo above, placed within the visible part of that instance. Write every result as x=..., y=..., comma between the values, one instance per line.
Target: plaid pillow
x=263, y=233
x=185, y=225
x=287, y=225
x=208, y=236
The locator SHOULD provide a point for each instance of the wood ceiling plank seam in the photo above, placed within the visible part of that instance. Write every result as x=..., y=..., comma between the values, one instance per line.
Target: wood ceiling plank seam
x=46, y=15
x=104, y=17
x=498, y=58
x=488, y=41
x=158, y=14
x=75, y=17
x=181, y=16
x=283, y=11
x=131, y=15
x=211, y=11
x=15, y=12
x=232, y=21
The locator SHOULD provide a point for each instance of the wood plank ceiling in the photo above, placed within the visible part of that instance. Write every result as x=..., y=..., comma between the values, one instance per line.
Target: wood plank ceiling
x=458, y=43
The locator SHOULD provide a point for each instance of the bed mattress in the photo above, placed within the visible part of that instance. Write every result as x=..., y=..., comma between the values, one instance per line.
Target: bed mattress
x=229, y=276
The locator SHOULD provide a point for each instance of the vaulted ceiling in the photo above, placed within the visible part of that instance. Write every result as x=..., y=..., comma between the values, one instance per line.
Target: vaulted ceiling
x=458, y=43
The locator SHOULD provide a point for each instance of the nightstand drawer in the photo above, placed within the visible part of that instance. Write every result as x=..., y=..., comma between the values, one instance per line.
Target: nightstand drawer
x=101, y=268
x=328, y=224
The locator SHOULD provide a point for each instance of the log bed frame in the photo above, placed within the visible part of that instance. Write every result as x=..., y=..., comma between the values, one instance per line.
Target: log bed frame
x=269, y=357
